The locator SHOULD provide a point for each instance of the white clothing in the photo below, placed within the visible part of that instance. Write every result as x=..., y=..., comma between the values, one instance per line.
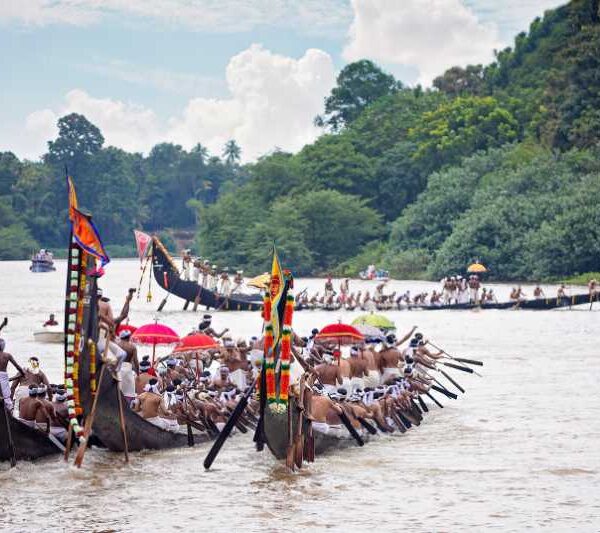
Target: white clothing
x=164, y=423
x=356, y=383
x=372, y=378
x=321, y=427
x=5, y=390
x=127, y=377
x=390, y=373
x=330, y=389
x=195, y=274
x=238, y=378
x=21, y=392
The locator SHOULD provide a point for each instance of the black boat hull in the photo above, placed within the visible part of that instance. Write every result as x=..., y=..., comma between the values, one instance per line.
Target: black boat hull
x=539, y=304
x=29, y=443
x=276, y=435
x=141, y=434
x=167, y=276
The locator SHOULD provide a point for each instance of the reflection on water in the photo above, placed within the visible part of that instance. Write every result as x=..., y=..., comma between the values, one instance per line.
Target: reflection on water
x=518, y=451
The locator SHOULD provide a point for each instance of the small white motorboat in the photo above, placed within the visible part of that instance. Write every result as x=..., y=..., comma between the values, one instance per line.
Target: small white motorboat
x=49, y=336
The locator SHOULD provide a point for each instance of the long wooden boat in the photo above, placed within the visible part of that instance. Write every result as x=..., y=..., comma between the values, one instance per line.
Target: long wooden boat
x=29, y=443
x=538, y=304
x=141, y=434
x=167, y=276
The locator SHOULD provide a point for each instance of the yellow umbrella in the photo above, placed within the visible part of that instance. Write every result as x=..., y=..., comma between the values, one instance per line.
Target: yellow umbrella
x=476, y=268
x=260, y=282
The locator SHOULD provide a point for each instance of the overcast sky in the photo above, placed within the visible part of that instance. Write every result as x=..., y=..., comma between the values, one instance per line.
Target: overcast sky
x=189, y=71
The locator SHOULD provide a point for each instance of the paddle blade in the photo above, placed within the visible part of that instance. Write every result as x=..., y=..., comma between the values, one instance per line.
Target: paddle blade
x=452, y=381
x=458, y=367
x=346, y=421
x=422, y=404
x=434, y=400
x=445, y=392
x=469, y=361
x=218, y=444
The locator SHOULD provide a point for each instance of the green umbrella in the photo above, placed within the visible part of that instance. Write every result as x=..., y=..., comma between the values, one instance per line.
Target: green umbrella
x=378, y=321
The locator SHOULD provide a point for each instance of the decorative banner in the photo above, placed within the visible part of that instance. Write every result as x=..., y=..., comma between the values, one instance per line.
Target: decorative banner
x=275, y=293
x=142, y=241
x=84, y=232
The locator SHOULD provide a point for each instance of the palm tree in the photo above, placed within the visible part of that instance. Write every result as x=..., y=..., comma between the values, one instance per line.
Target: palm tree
x=202, y=152
x=232, y=152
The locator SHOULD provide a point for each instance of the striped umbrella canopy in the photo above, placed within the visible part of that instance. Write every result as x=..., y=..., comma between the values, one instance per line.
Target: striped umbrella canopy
x=340, y=334
x=377, y=321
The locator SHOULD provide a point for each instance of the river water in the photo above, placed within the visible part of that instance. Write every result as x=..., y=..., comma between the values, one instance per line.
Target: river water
x=519, y=451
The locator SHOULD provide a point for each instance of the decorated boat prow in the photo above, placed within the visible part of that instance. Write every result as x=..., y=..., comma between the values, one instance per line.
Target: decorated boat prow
x=168, y=277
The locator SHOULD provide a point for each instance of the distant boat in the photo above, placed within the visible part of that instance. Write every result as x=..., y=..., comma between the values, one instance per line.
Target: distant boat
x=375, y=274
x=43, y=261
x=49, y=335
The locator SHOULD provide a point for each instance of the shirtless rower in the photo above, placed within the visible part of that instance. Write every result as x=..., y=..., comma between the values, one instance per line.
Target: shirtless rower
x=389, y=359
x=205, y=327
x=538, y=293
x=222, y=379
x=5, y=389
x=150, y=405
x=324, y=414
x=358, y=369
x=145, y=375
x=330, y=375
x=232, y=357
x=59, y=423
x=32, y=410
x=593, y=288
x=31, y=376
x=561, y=293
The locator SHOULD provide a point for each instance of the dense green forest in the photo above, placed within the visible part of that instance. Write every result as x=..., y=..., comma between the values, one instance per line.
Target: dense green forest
x=499, y=163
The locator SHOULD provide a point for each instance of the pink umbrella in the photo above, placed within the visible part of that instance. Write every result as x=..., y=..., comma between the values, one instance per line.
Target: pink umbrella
x=153, y=334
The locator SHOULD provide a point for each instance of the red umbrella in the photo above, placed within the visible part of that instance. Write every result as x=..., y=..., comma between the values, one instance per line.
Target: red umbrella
x=196, y=342
x=340, y=333
x=153, y=334
x=125, y=327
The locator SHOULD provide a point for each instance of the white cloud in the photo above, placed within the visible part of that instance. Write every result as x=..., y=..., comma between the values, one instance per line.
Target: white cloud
x=272, y=102
x=322, y=16
x=431, y=35
x=128, y=126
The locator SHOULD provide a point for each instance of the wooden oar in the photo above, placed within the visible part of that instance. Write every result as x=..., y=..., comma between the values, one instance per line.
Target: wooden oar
x=4, y=322
x=457, y=367
x=431, y=397
x=366, y=425
x=239, y=408
x=122, y=423
x=468, y=361
x=346, y=421
x=89, y=421
x=461, y=359
x=445, y=374
x=422, y=404
x=11, y=444
x=445, y=392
